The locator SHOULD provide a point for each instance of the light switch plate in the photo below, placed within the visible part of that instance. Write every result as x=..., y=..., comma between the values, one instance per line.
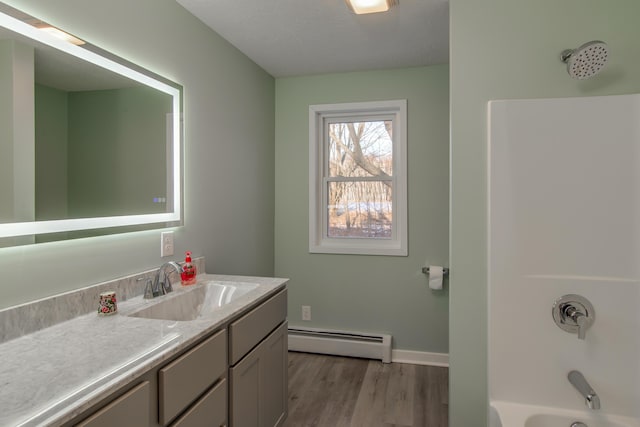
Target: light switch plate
x=166, y=243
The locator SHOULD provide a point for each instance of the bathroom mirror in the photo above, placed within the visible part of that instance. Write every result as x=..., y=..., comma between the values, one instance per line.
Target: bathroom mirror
x=90, y=143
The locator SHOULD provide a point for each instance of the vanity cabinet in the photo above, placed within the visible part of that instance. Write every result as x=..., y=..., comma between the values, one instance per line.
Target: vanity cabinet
x=189, y=391
x=258, y=376
x=236, y=376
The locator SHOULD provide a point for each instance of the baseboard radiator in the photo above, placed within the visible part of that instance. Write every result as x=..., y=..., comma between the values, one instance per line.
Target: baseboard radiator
x=341, y=343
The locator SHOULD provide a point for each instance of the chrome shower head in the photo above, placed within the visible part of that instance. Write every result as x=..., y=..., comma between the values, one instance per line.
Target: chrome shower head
x=587, y=60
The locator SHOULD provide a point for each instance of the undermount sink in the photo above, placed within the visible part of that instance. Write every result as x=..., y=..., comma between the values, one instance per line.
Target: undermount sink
x=195, y=302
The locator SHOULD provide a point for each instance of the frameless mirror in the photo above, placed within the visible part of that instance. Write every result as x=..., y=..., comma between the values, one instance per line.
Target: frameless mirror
x=89, y=143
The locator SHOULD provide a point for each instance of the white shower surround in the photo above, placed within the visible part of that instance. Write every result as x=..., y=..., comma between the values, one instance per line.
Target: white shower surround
x=564, y=218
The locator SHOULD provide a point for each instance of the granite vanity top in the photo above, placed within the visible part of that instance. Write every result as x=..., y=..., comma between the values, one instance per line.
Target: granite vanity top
x=51, y=375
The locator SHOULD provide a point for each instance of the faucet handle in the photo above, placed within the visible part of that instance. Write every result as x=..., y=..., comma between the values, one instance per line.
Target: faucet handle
x=165, y=285
x=574, y=314
x=579, y=317
x=148, y=287
x=163, y=280
x=583, y=323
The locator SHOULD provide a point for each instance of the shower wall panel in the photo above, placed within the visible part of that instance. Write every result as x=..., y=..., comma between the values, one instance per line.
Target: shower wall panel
x=564, y=218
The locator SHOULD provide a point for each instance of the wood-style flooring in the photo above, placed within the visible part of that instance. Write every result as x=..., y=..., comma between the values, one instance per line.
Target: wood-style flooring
x=331, y=391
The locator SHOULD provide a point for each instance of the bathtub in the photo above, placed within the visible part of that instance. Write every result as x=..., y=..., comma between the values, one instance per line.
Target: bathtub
x=509, y=414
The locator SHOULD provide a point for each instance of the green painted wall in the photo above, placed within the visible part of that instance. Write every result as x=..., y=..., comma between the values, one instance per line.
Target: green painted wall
x=368, y=293
x=510, y=49
x=51, y=121
x=229, y=151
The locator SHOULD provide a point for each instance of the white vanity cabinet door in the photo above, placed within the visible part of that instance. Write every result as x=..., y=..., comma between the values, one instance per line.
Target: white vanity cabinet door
x=130, y=409
x=258, y=389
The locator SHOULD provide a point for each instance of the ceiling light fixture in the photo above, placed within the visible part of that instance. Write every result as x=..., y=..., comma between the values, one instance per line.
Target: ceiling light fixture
x=360, y=7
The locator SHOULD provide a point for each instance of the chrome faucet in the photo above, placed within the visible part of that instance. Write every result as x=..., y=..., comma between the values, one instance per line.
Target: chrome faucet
x=574, y=314
x=591, y=399
x=161, y=285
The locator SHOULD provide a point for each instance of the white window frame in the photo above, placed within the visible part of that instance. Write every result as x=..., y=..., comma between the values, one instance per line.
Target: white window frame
x=319, y=116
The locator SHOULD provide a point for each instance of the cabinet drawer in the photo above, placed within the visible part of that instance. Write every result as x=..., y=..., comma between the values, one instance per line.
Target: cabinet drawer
x=210, y=410
x=246, y=332
x=130, y=409
x=187, y=377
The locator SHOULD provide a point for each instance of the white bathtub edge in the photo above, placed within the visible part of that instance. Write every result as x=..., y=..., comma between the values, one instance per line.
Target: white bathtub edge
x=512, y=414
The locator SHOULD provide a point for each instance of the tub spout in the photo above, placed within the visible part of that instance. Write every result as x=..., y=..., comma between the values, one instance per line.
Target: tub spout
x=591, y=398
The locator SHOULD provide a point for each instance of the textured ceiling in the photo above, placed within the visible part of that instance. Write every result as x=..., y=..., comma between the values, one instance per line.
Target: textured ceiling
x=301, y=37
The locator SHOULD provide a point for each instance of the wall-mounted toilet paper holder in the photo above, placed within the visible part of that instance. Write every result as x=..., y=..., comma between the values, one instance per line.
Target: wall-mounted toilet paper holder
x=445, y=271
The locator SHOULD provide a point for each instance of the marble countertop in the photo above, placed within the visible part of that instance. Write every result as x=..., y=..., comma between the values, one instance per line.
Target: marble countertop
x=49, y=376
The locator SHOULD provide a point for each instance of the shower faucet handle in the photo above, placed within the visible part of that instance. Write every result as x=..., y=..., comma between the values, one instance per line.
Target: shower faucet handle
x=574, y=314
x=583, y=323
x=580, y=319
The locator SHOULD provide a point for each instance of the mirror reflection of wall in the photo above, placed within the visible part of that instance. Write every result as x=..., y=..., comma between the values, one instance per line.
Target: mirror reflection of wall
x=16, y=131
x=100, y=153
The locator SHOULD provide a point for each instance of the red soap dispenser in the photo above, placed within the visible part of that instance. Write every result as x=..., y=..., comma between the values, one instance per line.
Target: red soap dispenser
x=188, y=271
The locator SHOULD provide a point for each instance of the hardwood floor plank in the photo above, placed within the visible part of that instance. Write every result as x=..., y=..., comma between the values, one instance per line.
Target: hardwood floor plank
x=421, y=398
x=331, y=391
x=317, y=394
x=339, y=408
x=370, y=406
x=400, y=394
x=431, y=390
x=304, y=405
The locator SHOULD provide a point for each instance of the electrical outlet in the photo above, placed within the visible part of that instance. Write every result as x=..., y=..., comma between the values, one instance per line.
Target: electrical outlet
x=306, y=312
x=166, y=243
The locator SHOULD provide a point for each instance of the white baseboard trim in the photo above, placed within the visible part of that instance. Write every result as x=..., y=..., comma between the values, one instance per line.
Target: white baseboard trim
x=420, y=358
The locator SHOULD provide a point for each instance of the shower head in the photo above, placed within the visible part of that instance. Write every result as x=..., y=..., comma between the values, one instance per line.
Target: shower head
x=587, y=60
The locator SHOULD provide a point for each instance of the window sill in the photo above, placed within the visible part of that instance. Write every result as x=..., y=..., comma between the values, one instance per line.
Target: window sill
x=358, y=248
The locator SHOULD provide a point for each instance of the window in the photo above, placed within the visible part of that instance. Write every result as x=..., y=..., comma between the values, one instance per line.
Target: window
x=357, y=178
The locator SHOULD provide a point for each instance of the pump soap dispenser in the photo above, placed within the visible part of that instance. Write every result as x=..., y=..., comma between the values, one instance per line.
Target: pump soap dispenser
x=188, y=275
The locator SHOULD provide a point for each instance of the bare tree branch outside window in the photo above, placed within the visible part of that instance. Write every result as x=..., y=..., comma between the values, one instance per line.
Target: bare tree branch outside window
x=360, y=195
